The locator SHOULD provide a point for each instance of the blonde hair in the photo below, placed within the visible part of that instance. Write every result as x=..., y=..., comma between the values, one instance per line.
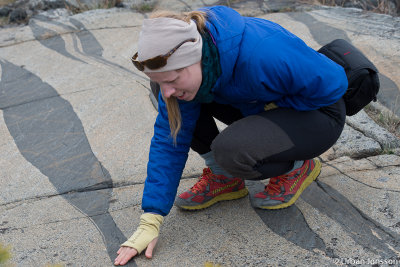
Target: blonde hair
x=174, y=114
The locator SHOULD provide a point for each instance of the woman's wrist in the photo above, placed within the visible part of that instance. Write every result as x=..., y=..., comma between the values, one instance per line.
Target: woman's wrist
x=148, y=229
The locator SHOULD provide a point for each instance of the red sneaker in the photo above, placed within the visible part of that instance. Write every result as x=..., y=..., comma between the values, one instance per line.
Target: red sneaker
x=210, y=189
x=282, y=191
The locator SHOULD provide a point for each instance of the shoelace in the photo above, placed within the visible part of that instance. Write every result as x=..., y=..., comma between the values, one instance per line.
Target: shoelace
x=275, y=184
x=202, y=183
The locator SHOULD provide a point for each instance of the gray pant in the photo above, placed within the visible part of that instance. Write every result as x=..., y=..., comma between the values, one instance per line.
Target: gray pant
x=266, y=145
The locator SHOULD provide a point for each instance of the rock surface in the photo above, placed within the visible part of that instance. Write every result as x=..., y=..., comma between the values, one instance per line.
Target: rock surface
x=75, y=131
x=22, y=10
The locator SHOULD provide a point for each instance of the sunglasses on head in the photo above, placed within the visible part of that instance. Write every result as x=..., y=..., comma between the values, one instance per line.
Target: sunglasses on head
x=158, y=61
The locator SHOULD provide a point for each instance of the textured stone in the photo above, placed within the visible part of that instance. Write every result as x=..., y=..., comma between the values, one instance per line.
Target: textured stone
x=56, y=243
x=363, y=123
x=385, y=160
x=354, y=144
x=18, y=15
x=385, y=178
x=4, y=11
x=346, y=165
x=380, y=207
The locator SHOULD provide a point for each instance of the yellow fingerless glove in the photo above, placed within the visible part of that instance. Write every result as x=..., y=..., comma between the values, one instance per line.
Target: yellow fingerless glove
x=148, y=229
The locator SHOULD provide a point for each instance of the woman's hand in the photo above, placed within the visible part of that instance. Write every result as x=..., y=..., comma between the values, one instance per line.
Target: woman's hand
x=127, y=253
x=145, y=236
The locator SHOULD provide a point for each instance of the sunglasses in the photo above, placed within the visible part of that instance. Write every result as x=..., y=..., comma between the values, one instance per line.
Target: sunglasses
x=158, y=61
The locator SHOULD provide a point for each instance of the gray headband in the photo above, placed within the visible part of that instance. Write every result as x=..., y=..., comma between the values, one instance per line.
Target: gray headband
x=159, y=35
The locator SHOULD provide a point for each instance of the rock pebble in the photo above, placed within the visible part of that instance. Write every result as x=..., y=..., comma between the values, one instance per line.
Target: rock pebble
x=4, y=11
x=18, y=15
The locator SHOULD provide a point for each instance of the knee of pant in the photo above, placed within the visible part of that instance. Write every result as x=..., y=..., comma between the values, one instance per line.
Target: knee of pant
x=224, y=153
x=233, y=158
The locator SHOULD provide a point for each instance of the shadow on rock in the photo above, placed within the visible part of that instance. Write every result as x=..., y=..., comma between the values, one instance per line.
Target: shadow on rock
x=50, y=136
x=291, y=224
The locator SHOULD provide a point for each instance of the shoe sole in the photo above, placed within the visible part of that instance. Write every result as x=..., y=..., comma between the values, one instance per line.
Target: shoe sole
x=313, y=176
x=228, y=196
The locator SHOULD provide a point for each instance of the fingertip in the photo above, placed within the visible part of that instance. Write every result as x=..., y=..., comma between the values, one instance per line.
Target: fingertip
x=117, y=262
x=149, y=252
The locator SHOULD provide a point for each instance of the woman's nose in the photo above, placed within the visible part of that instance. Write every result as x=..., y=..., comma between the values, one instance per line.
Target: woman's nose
x=167, y=90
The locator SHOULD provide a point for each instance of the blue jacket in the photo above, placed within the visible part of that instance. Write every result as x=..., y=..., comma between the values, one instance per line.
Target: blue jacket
x=261, y=62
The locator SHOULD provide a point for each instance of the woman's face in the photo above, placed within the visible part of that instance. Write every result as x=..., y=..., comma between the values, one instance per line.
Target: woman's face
x=182, y=84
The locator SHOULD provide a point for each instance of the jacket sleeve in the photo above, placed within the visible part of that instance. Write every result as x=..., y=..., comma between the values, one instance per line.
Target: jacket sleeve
x=166, y=160
x=304, y=78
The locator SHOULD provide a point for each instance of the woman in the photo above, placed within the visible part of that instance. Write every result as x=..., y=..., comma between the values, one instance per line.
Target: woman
x=280, y=98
